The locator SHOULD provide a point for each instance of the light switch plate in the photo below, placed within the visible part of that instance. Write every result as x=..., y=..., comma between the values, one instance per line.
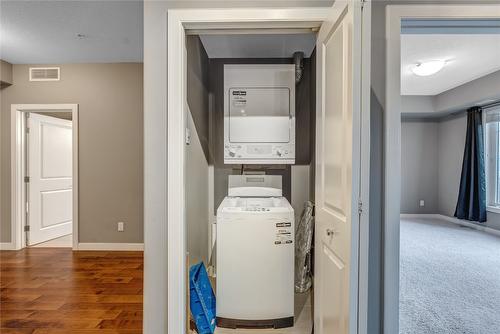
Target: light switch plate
x=188, y=136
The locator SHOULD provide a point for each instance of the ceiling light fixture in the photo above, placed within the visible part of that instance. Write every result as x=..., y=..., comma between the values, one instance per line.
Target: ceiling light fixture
x=427, y=68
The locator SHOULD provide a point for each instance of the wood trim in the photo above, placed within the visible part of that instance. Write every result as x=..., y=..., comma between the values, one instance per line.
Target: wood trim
x=18, y=195
x=106, y=246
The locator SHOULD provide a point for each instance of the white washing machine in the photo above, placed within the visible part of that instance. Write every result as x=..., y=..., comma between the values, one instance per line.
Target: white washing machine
x=255, y=255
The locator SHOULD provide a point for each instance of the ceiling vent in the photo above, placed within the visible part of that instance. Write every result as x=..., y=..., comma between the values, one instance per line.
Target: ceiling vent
x=45, y=73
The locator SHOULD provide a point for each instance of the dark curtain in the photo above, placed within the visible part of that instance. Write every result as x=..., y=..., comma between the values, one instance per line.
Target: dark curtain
x=471, y=203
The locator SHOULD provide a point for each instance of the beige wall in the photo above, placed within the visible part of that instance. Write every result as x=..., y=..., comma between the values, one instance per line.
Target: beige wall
x=110, y=99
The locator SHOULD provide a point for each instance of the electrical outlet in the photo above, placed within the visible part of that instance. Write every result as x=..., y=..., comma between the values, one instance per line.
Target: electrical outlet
x=422, y=202
x=121, y=226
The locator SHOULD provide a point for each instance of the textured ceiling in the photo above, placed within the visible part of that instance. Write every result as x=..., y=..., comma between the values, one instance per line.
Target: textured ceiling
x=45, y=32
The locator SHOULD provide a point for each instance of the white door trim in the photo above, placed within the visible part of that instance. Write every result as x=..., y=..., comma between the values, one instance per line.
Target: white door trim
x=18, y=144
x=178, y=20
x=392, y=174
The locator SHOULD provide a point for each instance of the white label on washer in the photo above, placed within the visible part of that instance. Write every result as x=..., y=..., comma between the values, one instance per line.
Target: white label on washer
x=284, y=234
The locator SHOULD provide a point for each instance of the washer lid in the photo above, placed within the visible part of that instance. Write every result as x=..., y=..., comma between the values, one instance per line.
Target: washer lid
x=255, y=186
x=254, y=192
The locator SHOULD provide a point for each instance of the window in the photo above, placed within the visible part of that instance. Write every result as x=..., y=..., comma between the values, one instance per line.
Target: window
x=492, y=158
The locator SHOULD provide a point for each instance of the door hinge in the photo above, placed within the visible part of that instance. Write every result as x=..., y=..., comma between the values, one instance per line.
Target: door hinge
x=26, y=179
x=360, y=206
x=26, y=228
x=27, y=130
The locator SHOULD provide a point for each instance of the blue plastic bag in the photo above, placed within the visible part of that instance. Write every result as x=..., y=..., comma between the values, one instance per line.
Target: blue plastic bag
x=202, y=299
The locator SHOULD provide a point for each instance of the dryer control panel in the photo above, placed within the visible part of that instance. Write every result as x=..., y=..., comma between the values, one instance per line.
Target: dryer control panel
x=262, y=152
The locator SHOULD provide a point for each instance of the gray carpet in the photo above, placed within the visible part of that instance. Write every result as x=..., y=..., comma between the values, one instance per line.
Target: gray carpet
x=450, y=279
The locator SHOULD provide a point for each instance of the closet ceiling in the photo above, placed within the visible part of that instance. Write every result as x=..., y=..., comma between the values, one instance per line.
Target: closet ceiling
x=258, y=46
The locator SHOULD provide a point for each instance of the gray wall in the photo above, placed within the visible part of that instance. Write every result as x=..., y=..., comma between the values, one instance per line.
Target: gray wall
x=198, y=89
x=197, y=152
x=431, y=165
x=197, y=219
x=468, y=94
x=110, y=98
x=417, y=104
x=451, y=143
x=419, y=167
x=376, y=213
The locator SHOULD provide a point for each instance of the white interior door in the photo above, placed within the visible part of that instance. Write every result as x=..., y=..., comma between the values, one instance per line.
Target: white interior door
x=50, y=196
x=337, y=181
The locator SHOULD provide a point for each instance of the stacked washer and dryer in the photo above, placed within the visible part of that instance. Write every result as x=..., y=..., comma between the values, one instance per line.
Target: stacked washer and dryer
x=255, y=223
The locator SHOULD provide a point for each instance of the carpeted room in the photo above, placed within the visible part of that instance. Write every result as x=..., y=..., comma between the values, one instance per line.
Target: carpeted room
x=449, y=278
x=450, y=194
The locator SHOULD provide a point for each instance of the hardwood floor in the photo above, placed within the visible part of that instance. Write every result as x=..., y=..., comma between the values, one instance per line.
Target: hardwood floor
x=56, y=291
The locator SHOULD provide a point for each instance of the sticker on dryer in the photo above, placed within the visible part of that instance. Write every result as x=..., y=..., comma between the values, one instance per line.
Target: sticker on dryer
x=284, y=234
x=239, y=99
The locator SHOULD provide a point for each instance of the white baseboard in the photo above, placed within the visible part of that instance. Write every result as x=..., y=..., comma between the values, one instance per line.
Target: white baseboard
x=110, y=246
x=454, y=220
x=7, y=246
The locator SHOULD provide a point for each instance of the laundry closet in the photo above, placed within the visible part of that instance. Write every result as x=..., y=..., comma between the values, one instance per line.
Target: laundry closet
x=249, y=173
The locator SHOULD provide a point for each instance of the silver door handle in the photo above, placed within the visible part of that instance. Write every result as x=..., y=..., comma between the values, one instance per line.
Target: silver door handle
x=330, y=232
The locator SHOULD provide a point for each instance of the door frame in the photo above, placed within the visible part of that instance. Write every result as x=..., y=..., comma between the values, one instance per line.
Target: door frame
x=18, y=167
x=178, y=21
x=392, y=138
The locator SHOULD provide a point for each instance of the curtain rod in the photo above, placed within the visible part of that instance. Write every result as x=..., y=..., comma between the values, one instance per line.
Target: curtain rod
x=491, y=105
x=484, y=106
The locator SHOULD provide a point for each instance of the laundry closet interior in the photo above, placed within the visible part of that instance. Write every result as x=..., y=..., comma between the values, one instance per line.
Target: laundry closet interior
x=250, y=140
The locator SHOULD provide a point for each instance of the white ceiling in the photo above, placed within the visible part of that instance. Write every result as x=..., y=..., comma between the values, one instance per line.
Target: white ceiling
x=258, y=46
x=45, y=32
x=468, y=57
